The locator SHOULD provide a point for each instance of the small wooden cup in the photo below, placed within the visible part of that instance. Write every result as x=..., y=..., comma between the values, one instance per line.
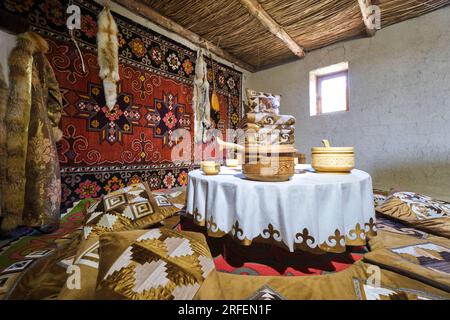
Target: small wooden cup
x=210, y=168
x=232, y=163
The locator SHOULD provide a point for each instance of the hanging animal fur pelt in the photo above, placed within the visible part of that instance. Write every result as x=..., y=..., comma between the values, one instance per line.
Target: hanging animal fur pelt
x=33, y=194
x=108, y=55
x=3, y=98
x=200, y=101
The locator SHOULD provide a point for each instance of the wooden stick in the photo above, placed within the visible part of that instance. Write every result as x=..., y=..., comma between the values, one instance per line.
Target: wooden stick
x=170, y=25
x=266, y=20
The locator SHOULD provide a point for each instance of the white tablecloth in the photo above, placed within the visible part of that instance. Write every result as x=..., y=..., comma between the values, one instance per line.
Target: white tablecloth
x=312, y=211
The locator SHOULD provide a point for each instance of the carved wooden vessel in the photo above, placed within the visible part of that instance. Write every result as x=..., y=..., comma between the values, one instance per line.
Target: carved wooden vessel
x=269, y=163
x=332, y=159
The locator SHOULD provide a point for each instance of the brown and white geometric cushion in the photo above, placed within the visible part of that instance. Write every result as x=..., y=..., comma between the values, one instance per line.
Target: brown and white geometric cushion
x=419, y=211
x=132, y=207
x=160, y=264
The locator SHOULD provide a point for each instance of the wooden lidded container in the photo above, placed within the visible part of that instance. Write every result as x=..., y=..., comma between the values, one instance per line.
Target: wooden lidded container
x=269, y=163
x=332, y=159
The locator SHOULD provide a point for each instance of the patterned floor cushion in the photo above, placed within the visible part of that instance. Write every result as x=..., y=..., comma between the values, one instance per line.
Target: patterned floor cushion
x=396, y=227
x=133, y=207
x=83, y=268
x=156, y=264
x=362, y=281
x=416, y=255
x=379, y=197
x=176, y=196
x=41, y=274
x=23, y=259
x=418, y=211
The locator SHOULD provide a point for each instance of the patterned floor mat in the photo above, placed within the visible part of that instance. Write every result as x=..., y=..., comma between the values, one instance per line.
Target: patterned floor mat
x=16, y=248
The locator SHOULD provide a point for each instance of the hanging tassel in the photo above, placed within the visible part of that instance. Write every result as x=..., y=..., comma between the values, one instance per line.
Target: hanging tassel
x=108, y=55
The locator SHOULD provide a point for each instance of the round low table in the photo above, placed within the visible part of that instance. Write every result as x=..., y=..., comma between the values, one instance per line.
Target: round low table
x=312, y=212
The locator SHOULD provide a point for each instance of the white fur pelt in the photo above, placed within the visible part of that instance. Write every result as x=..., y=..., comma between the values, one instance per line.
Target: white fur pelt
x=108, y=55
x=200, y=101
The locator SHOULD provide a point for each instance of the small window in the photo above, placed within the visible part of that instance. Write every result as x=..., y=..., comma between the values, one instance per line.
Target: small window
x=329, y=89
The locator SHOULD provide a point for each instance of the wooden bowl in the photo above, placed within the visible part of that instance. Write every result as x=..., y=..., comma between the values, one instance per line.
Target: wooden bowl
x=210, y=168
x=232, y=163
x=269, y=163
x=332, y=159
x=283, y=170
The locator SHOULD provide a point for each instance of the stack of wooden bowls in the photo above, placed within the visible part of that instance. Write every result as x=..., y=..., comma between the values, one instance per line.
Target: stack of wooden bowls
x=269, y=147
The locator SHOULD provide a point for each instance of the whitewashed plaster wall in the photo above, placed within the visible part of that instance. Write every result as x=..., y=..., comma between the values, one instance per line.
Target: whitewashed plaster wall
x=399, y=118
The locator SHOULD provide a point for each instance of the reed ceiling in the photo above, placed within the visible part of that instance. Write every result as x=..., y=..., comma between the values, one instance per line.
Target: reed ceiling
x=311, y=24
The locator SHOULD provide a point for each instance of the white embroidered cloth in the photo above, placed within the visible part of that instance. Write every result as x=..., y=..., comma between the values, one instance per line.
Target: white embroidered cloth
x=311, y=209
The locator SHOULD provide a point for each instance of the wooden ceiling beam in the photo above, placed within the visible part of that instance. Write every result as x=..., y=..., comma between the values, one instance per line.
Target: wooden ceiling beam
x=170, y=25
x=267, y=21
x=364, y=6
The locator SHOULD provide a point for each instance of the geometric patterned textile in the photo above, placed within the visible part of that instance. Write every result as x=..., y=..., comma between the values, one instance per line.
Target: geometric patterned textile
x=14, y=250
x=18, y=255
x=393, y=226
x=423, y=207
x=266, y=293
x=86, y=261
x=419, y=211
x=365, y=291
x=428, y=255
x=160, y=264
x=132, y=207
x=103, y=150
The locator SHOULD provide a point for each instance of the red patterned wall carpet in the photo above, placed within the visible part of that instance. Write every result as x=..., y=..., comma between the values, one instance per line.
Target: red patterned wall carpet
x=105, y=150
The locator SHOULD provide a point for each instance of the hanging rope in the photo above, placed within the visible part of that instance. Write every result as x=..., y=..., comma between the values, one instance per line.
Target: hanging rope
x=72, y=37
x=78, y=49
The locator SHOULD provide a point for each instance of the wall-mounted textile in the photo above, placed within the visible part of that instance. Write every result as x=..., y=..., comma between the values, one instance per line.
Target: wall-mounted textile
x=104, y=150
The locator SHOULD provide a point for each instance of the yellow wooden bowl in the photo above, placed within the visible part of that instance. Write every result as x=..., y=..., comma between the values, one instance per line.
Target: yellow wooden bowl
x=332, y=159
x=210, y=168
x=232, y=163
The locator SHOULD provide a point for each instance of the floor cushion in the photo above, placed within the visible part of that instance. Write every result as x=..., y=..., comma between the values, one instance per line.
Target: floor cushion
x=425, y=259
x=132, y=207
x=161, y=264
x=354, y=283
x=418, y=211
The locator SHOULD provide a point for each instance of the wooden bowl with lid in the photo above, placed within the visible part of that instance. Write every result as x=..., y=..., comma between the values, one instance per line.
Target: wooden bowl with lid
x=333, y=159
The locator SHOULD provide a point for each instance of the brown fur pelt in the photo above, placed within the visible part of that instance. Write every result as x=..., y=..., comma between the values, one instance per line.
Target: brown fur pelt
x=3, y=98
x=33, y=111
x=108, y=55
